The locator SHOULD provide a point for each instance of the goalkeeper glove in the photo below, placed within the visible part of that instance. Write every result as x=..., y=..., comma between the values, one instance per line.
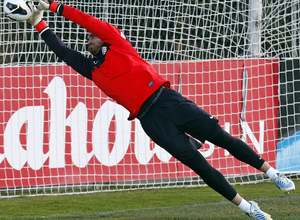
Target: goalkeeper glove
x=36, y=19
x=51, y=5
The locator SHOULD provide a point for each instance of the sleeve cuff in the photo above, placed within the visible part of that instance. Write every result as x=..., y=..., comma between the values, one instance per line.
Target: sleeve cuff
x=53, y=6
x=41, y=26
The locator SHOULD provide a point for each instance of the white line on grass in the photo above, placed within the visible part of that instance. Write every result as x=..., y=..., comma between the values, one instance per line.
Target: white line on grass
x=107, y=213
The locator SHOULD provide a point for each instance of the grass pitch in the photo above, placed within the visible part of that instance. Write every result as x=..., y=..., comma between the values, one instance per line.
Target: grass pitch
x=156, y=204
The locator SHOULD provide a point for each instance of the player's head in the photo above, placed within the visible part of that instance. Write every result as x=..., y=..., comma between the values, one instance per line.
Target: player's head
x=94, y=43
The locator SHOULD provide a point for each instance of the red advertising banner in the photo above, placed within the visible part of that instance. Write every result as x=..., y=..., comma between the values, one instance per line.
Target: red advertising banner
x=57, y=128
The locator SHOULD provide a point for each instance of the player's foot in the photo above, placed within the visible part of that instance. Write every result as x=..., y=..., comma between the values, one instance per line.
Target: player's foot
x=256, y=213
x=283, y=183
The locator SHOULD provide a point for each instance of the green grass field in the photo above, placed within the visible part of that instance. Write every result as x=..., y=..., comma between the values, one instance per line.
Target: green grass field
x=175, y=203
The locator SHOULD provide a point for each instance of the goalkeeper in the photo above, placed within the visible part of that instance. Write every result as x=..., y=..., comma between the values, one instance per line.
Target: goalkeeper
x=165, y=115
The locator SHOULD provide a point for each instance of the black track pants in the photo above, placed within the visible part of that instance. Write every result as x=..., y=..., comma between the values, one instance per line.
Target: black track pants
x=167, y=123
x=239, y=149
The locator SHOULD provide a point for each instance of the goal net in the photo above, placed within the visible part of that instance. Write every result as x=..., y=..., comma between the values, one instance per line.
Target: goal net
x=238, y=60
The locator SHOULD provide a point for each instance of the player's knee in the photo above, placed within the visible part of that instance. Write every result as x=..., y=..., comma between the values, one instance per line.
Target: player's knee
x=183, y=153
x=182, y=148
x=199, y=164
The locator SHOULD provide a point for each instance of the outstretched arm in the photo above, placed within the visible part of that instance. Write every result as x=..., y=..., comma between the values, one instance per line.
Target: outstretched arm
x=73, y=58
x=103, y=30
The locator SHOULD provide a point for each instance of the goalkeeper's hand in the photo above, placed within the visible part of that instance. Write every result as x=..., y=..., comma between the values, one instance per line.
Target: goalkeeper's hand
x=44, y=4
x=36, y=16
x=50, y=5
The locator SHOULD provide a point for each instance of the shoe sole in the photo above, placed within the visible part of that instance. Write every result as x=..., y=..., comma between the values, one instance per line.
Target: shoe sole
x=287, y=191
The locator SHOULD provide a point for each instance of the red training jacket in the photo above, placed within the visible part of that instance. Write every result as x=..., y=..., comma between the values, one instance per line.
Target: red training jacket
x=124, y=75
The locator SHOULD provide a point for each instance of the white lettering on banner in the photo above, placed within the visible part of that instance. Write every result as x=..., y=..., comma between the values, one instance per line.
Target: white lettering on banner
x=227, y=129
x=58, y=99
x=142, y=149
x=33, y=118
x=77, y=120
x=16, y=156
x=208, y=152
x=1, y=157
x=258, y=145
x=246, y=130
x=100, y=133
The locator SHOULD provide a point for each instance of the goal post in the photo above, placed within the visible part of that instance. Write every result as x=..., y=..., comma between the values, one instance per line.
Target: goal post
x=238, y=60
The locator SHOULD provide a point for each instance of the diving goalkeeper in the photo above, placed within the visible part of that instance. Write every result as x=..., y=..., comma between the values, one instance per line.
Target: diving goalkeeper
x=165, y=115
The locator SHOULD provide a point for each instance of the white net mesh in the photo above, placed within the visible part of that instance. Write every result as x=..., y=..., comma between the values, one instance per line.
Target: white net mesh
x=168, y=30
x=224, y=55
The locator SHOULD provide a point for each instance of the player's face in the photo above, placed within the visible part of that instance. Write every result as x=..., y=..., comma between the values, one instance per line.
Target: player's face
x=95, y=44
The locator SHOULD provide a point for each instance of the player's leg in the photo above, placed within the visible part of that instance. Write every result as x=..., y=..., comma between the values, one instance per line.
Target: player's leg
x=159, y=127
x=243, y=152
x=185, y=149
x=195, y=121
x=187, y=116
x=217, y=182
